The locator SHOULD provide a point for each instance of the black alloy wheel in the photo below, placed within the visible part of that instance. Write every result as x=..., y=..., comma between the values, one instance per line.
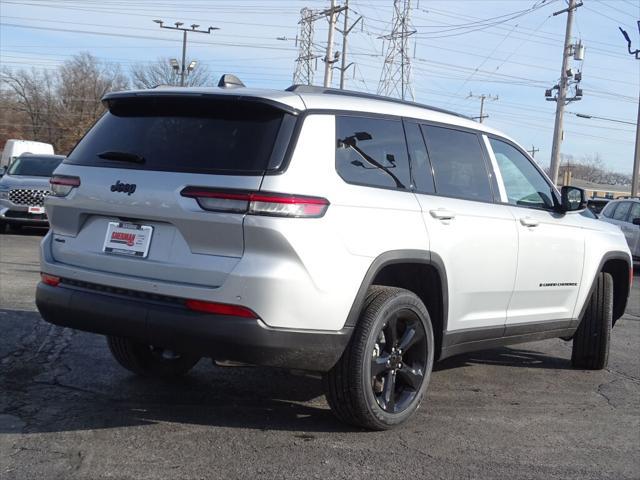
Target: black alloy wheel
x=399, y=361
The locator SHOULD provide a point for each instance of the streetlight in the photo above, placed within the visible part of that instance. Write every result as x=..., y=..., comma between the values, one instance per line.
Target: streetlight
x=178, y=26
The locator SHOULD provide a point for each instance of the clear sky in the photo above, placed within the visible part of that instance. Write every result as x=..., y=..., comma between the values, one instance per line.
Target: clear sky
x=454, y=52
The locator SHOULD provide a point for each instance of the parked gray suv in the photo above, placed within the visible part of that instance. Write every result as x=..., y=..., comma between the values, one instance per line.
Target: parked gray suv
x=23, y=189
x=314, y=229
x=625, y=213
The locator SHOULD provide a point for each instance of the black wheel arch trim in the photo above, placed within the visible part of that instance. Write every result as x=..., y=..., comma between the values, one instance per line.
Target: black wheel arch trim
x=391, y=257
x=618, y=312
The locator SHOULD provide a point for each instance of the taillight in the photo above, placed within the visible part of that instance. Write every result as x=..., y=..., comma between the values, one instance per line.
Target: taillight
x=50, y=280
x=61, y=185
x=220, y=309
x=258, y=203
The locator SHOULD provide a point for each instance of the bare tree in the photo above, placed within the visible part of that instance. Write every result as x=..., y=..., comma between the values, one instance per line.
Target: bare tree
x=591, y=168
x=32, y=96
x=83, y=81
x=160, y=72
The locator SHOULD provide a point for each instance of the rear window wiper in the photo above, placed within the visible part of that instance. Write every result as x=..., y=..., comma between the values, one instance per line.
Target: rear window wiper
x=121, y=156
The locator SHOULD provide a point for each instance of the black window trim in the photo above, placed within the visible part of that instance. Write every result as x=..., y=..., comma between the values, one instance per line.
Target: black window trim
x=414, y=189
x=554, y=190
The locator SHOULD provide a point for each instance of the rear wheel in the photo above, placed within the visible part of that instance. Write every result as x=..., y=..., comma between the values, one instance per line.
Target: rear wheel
x=381, y=377
x=148, y=360
x=591, y=341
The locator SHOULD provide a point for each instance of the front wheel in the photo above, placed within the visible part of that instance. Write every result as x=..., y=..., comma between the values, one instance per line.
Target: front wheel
x=380, y=379
x=149, y=360
x=591, y=341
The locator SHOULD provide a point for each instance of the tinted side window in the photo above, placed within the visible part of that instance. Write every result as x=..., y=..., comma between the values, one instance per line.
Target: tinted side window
x=609, y=209
x=458, y=163
x=420, y=164
x=635, y=212
x=524, y=184
x=621, y=211
x=372, y=151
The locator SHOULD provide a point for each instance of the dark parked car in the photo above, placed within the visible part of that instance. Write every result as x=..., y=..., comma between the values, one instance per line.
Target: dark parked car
x=596, y=204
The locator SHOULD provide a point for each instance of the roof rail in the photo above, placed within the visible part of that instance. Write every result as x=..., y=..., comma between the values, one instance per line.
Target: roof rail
x=371, y=96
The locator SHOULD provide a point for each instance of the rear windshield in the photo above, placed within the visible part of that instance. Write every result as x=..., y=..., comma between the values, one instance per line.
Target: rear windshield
x=185, y=135
x=34, y=166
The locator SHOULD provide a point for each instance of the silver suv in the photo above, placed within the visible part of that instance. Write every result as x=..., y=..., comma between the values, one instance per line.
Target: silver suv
x=23, y=188
x=625, y=213
x=322, y=230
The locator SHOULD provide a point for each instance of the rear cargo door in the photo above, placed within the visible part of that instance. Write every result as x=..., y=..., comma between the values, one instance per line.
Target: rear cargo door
x=128, y=215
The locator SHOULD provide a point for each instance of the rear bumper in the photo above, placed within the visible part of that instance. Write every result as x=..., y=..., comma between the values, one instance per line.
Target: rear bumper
x=173, y=326
x=20, y=215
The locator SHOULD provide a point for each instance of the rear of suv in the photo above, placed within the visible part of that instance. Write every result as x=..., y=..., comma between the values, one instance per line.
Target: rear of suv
x=319, y=230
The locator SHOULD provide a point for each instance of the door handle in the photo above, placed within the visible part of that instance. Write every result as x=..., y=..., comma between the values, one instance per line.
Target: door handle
x=529, y=222
x=442, y=214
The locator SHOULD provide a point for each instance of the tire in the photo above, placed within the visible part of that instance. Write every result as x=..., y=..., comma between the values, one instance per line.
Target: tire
x=150, y=361
x=377, y=383
x=591, y=341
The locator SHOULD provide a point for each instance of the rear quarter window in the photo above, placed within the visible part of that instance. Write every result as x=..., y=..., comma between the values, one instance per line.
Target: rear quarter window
x=195, y=135
x=372, y=152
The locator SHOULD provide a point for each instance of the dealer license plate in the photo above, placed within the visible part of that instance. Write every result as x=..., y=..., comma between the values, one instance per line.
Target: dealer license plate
x=36, y=210
x=128, y=239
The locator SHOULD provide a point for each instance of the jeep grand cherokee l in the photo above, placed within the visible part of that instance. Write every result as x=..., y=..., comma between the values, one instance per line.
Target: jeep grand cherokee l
x=353, y=235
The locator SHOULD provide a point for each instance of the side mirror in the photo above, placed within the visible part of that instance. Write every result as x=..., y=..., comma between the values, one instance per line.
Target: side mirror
x=636, y=221
x=572, y=199
x=3, y=170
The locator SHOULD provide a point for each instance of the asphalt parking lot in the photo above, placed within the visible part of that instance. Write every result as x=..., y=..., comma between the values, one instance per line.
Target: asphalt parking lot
x=68, y=411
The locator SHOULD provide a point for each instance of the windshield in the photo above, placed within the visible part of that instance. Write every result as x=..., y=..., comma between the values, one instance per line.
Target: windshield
x=34, y=166
x=182, y=135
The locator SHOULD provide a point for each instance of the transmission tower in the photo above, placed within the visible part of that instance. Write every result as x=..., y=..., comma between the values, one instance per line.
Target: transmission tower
x=305, y=69
x=396, y=72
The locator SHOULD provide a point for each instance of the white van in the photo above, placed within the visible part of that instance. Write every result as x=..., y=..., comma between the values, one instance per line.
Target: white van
x=14, y=148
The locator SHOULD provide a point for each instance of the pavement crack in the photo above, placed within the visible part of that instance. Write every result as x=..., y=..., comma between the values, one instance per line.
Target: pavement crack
x=604, y=395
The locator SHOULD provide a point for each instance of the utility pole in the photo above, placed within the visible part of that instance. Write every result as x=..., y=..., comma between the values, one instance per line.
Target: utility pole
x=482, y=98
x=396, y=71
x=178, y=26
x=329, y=57
x=533, y=151
x=561, y=98
x=303, y=74
x=346, y=30
x=635, y=174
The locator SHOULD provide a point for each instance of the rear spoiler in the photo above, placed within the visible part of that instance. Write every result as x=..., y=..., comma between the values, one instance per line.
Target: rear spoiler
x=111, y=97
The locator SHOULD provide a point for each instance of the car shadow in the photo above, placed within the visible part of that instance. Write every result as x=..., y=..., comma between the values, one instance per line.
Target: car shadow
x=55, y=380
x=27, y=231
x=507, y=357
